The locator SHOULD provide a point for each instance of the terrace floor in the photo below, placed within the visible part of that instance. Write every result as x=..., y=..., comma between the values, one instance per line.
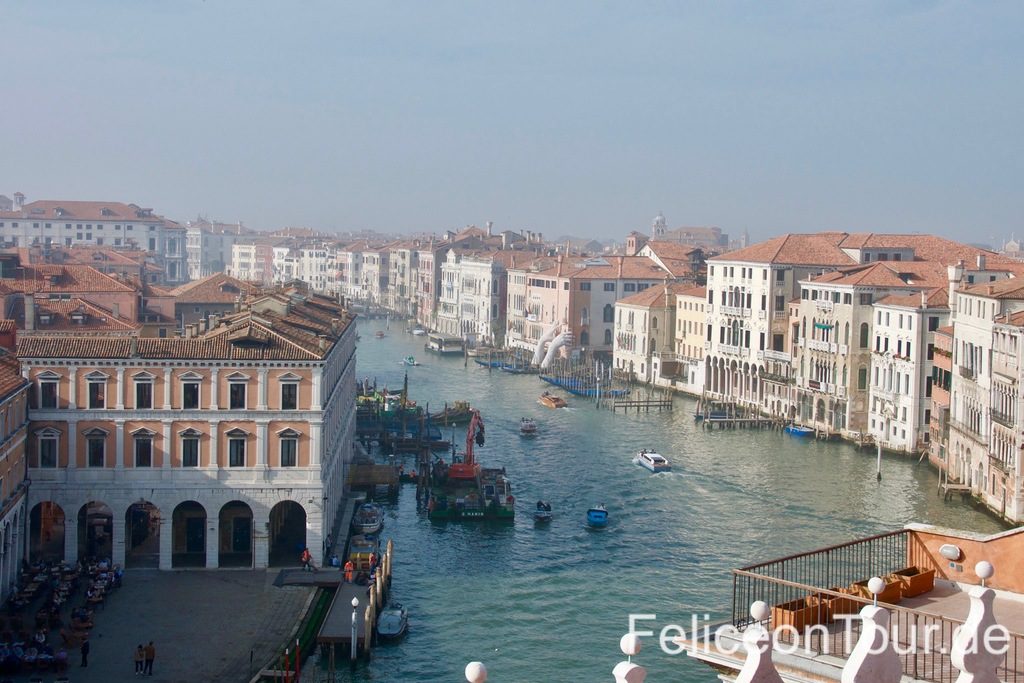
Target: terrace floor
x=953, y=601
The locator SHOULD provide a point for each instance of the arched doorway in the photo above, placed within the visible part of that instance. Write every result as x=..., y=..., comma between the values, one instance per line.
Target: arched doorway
x=142, y=535
x=46, y=532
x=287, y=533
x=188, y=535
x=234, y=547
x=95, y=530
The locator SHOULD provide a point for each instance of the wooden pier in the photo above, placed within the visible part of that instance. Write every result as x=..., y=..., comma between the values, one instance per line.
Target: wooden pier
x=638, y=404
x=742, y=422
x=368, y=476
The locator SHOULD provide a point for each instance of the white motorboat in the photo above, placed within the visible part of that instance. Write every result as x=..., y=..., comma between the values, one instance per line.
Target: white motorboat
x=393, y=621
x=543, y=512
x=527, y=426
x=368, y=519
x=652, y=461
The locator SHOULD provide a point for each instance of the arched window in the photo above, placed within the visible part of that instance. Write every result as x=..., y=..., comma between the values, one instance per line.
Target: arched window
x=609, y=313
x=607, y=337
x=864, y=333
x=584, y=316
x=584, y=338
x=654, y=322
x=846, y=334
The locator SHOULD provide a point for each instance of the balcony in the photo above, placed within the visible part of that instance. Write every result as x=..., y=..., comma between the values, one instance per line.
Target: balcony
x=966, y=372
x=729, y=349
x=968, y=431
x=735, y=310
x=823, y=305
x=819, y=345
x=779, y=315
x=780, y=356
x=1003, y=419
x=844, y=349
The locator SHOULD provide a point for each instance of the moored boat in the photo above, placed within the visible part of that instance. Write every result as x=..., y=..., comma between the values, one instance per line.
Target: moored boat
x=649, y=460
x=444, y=344
x=361, y=550
x=527, y=426
x=457, y=413
x=419, y=331
x=552, y=401
x=393, y=621
x=379, y=334
x=798, y=430
x=368, y=519
x=597, y=516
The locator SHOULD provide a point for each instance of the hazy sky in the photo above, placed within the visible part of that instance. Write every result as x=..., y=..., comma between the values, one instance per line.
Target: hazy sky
x=563, y=117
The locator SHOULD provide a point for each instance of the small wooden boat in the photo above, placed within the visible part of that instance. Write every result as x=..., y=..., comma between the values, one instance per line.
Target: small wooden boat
x=527, y=426
x=392, y=622
x=543, y=512
x=797, y=430
x=419, y=331
x=597, y=516
x=379, y=334
x=368, y=519
x=652, y=461
x=552, y=401
x=410, y=361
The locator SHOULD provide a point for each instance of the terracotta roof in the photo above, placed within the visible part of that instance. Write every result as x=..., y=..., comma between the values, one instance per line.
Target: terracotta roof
x=653, y=295
x=601, y=268
x=947, y=330
x=69, y=315
x=936, y=298
x=8, y=325
x=218, y=288
x=67, y=278
x=694, y=291
x=1010, y=288
x=672, y=250
x=1015, y=319
x=284, y=325
x=53, y=210
x=11, y=380
x=817, y=249
x=878, y=274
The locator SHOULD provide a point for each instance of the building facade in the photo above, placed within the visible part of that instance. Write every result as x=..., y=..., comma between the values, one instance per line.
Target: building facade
x=226, y=448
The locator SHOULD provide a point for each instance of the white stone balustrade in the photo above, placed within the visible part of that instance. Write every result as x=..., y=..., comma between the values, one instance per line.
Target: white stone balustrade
x=758, y=666
x=476, y=672
x=971, y=642
x=627, y=671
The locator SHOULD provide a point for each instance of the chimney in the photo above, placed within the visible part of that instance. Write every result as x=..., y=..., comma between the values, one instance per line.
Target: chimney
x=238, y=303
x=202, y=326
x=924, y=299
x=214, y=318
x=490, y=224
x=335, y=323
x=323, y=342
x=30, y=313
x=19, y=201
x=955, y=276
x=981, y=261
x=115, y=308
x=134, y=346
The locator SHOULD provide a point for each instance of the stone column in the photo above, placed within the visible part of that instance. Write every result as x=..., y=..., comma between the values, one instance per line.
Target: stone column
x=166, y=540
x=262, y=443
x=167, y=388
x=73, y=389
x=261, y=389
x=315, y=429
x=213, y=539
x=168, y=447
x=214, y=437
x=72, y=445
x=117, y=552
x=260, y=540
x=119, y=402
x=213, y=389
x=71, y=536
x=119, y=452
x=316, y=399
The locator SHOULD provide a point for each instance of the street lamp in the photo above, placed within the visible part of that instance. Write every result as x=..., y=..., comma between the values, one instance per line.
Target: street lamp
x=355, y=632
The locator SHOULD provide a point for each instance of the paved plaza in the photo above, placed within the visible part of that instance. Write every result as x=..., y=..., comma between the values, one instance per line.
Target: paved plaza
x=204, y=625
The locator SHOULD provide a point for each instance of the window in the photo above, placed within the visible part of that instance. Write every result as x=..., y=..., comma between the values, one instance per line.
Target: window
x=236, y=452
x=933, y=323
x=584, y=286
x=190, y=449
x=190, y=395
x=629, y=287
x=289, y=451
x=143, y=394
x=865, y=299
x=48, y=451
x=48, y=394
x=864, y=333
x=609, y=286
x=236, y=395
x=608, y=313
x=96, y=450
x=862, y=378
x=97, y=393
x=289, y=396
x=144, y=450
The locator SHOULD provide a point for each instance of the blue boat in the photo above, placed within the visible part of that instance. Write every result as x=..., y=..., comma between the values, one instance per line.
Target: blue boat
x=597, y=516
x=797, y=430
x=487, y=363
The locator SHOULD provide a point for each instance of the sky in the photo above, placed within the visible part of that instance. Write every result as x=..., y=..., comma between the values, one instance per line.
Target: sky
x=582, y=118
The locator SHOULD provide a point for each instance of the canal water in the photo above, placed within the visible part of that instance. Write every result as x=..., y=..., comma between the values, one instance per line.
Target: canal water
x=550, y=603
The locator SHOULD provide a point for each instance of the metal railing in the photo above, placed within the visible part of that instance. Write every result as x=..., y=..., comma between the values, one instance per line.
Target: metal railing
x=816, y=588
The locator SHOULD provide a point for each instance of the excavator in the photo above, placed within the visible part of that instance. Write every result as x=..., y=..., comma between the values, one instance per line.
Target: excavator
x=469, y=468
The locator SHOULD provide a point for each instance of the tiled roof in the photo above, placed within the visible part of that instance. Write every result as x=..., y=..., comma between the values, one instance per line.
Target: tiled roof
x=672, y=250
x=877, y=274
x=8, y=325
x=947, y=330
x=1016, y=319
x=693, y=290
x=1010, y=288
x=69, y=315
x=281, y=326
x=936, y=298
x=818, y=249
x=53, y=210
x=11, y=379
x=68, y=278
x=601, y=268
x=219, y=288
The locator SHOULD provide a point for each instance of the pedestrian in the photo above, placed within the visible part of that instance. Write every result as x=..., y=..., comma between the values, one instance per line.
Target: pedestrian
x=140, y=657
x=150, y=652
x=85, y=653
x=349, y=569
x=307, y=561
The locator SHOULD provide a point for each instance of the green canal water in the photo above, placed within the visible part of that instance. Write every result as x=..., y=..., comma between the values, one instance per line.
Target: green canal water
x=550, y=604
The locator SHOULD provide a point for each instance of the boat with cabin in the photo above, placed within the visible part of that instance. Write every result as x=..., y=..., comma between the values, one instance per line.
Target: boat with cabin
x=655, y=462
x=444, y=344
x=410, y=361
x=368, y=519
x=552, y=401
x=597, y=516
x=543, y=512
x=527, y=426
x=361, y=550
